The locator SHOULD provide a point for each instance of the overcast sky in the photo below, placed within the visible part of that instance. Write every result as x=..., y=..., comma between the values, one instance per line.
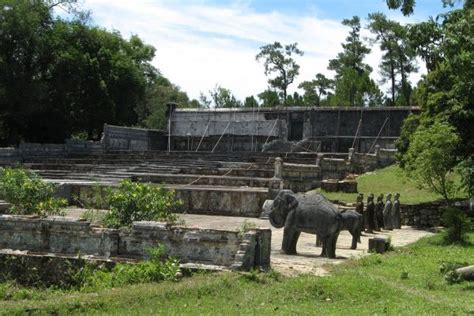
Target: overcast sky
x=200, y=44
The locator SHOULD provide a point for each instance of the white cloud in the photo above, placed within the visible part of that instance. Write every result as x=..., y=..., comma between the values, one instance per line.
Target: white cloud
x=200, y=45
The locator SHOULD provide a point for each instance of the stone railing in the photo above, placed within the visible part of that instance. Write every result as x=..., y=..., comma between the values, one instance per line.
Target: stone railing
x=192, y=246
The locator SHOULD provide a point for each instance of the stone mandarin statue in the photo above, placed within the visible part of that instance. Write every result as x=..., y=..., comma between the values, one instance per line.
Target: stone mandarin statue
x=387, y=213
x=370, y=214
x=379, y=212
x=396, y=215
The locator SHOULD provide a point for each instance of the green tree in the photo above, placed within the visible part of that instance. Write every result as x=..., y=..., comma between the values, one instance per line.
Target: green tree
x=431, y=158
x=294, y=100
x=269, y=98
x=407, y=6
x=250, y=102
x=277, y=59
x=352, y=82
x=152, y=113
x=60, y=77
x=446, y=92
x=223, y=98
x=425, y=39
x=316, y=89
x=398, y=58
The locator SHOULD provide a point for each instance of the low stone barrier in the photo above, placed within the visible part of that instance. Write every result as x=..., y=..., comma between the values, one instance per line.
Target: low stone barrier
x=421, y=215
x=207, y=200
x=68, y=236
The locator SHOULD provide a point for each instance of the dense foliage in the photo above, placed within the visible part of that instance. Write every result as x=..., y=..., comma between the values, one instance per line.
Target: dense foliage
x=60, y=77
x=80, y=274
x=28, y=194
x=446, y=93
x=154, y=269
x=133, y=201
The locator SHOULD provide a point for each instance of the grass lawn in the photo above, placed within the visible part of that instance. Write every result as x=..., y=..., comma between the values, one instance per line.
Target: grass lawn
x=387, y=180
x=406, y=281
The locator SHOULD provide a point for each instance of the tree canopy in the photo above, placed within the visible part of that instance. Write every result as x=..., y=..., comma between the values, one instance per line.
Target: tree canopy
x=277, y=59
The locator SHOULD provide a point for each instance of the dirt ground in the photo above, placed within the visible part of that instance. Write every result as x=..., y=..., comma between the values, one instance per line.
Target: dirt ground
x=307, y=260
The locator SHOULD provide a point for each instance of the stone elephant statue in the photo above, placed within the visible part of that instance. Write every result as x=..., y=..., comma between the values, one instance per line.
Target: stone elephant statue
x=353, y=222
x=308, y=213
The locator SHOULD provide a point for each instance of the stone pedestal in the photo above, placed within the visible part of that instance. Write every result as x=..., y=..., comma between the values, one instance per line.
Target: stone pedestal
x=377, y=245
x=330, y=185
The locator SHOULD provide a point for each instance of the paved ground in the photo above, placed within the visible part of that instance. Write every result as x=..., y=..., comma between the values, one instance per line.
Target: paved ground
x=307, y=260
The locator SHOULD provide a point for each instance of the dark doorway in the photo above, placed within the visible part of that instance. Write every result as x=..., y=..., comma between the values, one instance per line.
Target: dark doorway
x=296, y=127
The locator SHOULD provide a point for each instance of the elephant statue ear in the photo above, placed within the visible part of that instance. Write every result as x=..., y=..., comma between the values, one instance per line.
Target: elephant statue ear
x=291, y=201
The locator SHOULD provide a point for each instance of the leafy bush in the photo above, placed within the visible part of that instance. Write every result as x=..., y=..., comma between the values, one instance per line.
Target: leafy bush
x=94, y=216
x=445, y=267
x=457, y=225
x=133, y=201
x=452, y=277
x=28, y=194
x=449, y=271
x=154, y=269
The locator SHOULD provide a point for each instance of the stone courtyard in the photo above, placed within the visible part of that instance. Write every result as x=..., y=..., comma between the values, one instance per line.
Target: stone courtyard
x=308, y=259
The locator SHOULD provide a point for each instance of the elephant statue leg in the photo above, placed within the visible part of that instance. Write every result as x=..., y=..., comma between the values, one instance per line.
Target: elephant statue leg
x=293, y=241
x=354, y=241
x=290, y=238
x=324, y=241
x=331, y=246
x=318, y=241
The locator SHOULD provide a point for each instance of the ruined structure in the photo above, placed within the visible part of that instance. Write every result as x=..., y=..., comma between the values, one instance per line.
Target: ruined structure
x=298, y=129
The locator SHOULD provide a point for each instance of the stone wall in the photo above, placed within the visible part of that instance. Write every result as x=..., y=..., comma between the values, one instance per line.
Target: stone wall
x=224, y=144
x=421, y=215
x=67, y=236
x=137, y=139
x=207, y=200
x=9, y=154
x=337, y=129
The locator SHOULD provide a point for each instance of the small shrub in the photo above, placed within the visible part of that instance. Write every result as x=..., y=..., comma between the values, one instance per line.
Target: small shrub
x=404, y=275
x=96, y=198
x=28, y=194
x=452, y=277
x=457, y=225
x=389, y=245
x=133, y=201
x=94, y=216
x=449, y=271
x=446, y=267
x=154, y=269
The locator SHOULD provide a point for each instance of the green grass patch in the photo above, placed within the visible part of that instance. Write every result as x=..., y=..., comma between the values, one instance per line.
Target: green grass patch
x=391, y=179
x=405, y=281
